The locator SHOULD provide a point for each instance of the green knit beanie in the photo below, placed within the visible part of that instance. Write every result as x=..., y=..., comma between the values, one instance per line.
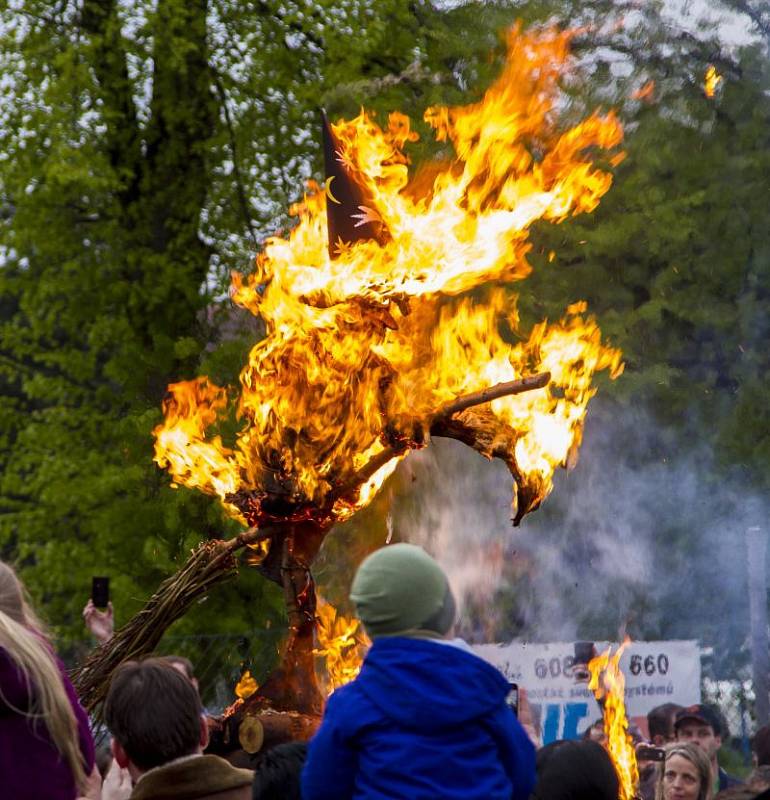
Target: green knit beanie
x=400, y=590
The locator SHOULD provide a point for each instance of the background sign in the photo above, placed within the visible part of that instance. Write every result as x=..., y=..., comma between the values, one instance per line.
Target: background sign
x=655, y=672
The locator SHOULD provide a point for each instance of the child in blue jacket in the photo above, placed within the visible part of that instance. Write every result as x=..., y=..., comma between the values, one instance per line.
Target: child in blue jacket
x=426, y=719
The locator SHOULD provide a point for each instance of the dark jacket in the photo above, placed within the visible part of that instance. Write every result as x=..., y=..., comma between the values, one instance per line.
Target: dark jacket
x=197, y=778
x=30, y=765
x=727, y=781
x=424, y=720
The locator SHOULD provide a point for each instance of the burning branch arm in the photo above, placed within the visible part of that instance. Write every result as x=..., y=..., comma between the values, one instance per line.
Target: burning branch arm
x=493, y=393
x=481, y=430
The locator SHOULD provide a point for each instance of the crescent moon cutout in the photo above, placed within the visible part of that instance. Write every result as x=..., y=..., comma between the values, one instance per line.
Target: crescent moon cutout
x=328, y=190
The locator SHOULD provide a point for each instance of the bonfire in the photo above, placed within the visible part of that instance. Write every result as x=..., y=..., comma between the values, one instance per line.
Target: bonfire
x=391, y=317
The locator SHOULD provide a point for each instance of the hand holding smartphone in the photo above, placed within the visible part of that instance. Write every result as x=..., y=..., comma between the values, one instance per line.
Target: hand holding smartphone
x=100, y=591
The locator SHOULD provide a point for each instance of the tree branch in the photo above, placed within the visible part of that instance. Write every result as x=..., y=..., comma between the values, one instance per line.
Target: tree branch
x=438, y=424
x=493, y=393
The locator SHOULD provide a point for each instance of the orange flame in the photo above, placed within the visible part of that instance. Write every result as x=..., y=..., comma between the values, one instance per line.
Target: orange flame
x=362, y=350
x=711, y=81
x=341, y=642
x=609, y=686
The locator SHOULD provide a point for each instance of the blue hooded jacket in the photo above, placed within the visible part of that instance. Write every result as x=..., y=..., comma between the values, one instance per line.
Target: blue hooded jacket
x=423, y=721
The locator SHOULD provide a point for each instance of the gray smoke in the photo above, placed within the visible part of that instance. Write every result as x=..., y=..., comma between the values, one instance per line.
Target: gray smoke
x=642, y=535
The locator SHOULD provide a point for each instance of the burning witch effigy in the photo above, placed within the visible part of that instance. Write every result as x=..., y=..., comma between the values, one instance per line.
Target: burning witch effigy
x=384, y=311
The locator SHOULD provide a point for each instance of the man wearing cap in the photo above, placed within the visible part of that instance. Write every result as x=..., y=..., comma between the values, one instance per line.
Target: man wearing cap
x=701, y=725
x=426, y=718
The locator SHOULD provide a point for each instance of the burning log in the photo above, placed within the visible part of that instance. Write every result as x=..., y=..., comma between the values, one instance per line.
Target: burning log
x=260, y=731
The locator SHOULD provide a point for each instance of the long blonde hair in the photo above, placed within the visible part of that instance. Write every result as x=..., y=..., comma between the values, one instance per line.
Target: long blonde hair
x=698, y=758
x=21, y=637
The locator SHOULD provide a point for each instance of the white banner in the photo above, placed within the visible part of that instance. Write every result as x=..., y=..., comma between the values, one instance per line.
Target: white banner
x=655, y=673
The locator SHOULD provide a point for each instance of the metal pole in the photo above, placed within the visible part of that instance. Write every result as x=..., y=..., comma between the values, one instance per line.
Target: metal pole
x=756, y=549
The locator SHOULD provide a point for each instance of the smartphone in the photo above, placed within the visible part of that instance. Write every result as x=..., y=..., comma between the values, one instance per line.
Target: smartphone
x=100, y=591
x=512, y=698
x=646, y=752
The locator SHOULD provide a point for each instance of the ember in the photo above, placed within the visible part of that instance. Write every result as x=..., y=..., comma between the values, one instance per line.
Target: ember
x=609, y=685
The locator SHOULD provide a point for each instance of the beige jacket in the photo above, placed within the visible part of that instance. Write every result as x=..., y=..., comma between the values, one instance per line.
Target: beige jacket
x=199, y=778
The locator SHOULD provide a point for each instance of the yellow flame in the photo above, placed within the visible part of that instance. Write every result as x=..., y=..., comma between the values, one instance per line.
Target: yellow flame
x=711, y=81
x=341, y=642
x=362, y=349
x=609, y=685
x=246, y=686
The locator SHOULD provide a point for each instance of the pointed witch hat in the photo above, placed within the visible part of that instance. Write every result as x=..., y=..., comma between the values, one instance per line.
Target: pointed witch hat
x=351, y=215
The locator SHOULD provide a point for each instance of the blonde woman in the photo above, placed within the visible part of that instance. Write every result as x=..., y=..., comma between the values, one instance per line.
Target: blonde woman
x=46, y=749
x=685, y=774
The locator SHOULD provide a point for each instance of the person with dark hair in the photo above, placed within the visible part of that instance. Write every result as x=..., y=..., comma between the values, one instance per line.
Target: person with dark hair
x=159, y=734
x=660, y=723
x=185, y=666
x=426, y=717
x=277, y=775
x=701, y=725
x=575, y=770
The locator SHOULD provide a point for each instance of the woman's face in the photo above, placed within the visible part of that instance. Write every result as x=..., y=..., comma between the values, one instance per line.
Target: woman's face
x=680, y=779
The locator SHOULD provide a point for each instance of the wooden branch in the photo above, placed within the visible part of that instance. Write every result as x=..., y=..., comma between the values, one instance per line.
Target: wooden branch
x=367, y=471
x=211, y=563
x=493, y=393
x=439, y=424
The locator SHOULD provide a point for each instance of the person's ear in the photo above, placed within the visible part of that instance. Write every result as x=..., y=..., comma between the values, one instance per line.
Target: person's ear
x=119, y=754
x=204, y=740
x=719, y=741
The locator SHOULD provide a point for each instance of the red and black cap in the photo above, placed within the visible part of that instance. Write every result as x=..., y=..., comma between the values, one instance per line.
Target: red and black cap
x=699, y=713
x=351, y=214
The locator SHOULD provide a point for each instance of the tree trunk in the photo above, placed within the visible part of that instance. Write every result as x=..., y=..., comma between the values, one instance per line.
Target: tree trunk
x=293, y=685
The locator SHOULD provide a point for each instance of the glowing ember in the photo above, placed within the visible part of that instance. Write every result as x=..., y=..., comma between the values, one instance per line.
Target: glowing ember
x=362, y=349
x=609, y=686
x=645, y=92
x=341, y=642
x=711, y=81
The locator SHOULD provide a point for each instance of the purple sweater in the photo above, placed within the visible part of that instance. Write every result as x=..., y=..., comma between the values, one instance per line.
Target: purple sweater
x=30, y=765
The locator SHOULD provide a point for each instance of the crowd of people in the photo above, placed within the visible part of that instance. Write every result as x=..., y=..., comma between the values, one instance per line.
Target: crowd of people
x=425, y=719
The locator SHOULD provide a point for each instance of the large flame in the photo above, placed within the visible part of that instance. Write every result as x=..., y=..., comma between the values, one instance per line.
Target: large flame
x=609, y=686
x=361, y=350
